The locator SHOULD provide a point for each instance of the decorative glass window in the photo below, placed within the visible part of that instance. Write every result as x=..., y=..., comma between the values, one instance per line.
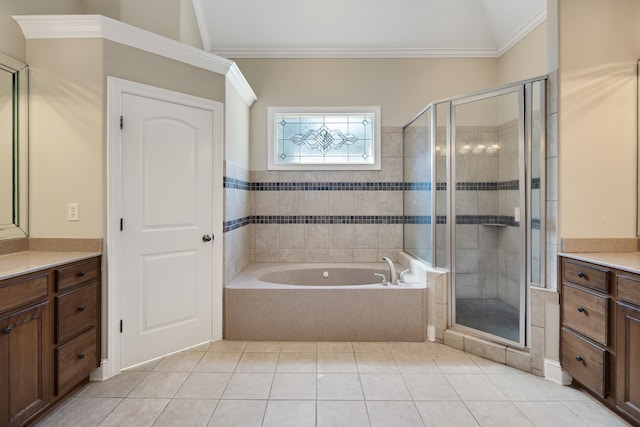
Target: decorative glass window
x=324, y=138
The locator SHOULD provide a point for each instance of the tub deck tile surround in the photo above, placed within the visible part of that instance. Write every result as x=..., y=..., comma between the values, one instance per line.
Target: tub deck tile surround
x=431, y=384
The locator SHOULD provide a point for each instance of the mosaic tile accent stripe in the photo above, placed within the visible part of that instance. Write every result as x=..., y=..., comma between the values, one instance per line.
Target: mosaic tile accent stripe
x=487, y=186
x=371, y=186
x=371, y=219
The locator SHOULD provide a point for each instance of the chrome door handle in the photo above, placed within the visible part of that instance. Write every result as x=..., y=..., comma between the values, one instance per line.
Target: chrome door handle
x=207, y=238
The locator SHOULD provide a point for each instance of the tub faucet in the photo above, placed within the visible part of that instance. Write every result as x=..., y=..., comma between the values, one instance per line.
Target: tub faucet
x=392, y=271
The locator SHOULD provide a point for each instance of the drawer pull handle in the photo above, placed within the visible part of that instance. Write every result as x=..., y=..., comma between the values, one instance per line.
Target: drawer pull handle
x=581, y=309
x=7, y=330
x=81, y=356
x=81, y=274
x=581, y=274
x=81, y=308
x=579, y=358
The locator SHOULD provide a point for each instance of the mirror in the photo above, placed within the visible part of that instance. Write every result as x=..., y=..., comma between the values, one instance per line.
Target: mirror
x=13, y=148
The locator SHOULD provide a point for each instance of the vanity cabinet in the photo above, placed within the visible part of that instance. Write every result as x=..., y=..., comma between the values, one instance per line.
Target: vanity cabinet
x=600, y=332
x=49, y=337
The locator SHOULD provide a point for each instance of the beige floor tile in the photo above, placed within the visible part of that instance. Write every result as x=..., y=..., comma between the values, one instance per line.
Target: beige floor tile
x=186, y=412
x=446, y=414
x=159, y=385
x=238, y=413
x=339, y=387
x=384, y=387
x=285, y=413
x=257, y=362
x=565, y=393
x=118, y=386
x=498, y=414
x=248, y=386
x=594, y=414
x=180, y=362
x=455, y=363
x=334, y=347
x=218, y=362
x=204, y=385
x=371, y=347
x=407, y=347
x=430, y=387
x=202, y=347
x=415, y=363
x=521, y=388
x=342, y=414
x=83, y=412
x=549, y=414
x=490, y=367
x=293, y=387
x=144, y=367
x=298, y=347
x=376, y=363
x=337, y=363
x=263, y=346
x=297, y=363
x=228, y=346
x=393, y=414
x=475, y=387
x=135, y=412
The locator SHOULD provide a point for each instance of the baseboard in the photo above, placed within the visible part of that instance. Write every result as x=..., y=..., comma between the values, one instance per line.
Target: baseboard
x=102, y=373
x=554, y=372
x=431, y=333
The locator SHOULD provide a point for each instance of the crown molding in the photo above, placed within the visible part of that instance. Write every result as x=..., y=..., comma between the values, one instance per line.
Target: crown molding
x=521, y=32
x=98, y=26
x=355, y=53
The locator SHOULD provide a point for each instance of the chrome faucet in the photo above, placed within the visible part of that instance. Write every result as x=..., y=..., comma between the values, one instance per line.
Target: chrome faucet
x=392, y=271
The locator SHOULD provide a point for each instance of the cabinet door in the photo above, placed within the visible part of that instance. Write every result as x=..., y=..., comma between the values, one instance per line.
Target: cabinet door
x=24, y=364
x=628, y=359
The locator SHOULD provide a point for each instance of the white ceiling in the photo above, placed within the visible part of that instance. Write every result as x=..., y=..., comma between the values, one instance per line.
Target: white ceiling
x=365, y=28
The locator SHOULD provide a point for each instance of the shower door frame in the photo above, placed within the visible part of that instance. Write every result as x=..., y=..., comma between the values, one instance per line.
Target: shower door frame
x=524, y=198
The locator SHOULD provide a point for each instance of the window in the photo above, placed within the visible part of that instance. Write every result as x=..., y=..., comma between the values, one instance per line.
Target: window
x=324, y=138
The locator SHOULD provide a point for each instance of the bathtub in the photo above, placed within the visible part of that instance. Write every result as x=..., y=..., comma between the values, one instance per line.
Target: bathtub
x=323, y=302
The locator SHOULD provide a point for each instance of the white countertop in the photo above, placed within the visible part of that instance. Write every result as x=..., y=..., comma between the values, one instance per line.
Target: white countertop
x=629, y=261
x=18, y=263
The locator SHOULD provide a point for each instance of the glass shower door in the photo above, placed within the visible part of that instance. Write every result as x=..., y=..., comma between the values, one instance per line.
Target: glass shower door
x=488, y=199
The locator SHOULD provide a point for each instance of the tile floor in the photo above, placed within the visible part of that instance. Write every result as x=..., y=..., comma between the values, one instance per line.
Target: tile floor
x=231, y=383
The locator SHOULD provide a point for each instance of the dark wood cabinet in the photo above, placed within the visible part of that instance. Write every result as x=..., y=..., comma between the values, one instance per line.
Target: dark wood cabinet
x=24, y=364
x=49, y=337
x=600, y=332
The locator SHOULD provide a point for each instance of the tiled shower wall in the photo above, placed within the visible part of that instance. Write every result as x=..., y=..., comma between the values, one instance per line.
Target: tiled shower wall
x=315, y=216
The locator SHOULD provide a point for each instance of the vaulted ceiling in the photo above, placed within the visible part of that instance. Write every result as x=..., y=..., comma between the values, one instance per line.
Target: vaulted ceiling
x=366, y=28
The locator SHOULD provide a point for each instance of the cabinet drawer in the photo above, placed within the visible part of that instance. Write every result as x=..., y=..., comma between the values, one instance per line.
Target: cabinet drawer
x=76, y=311
x=75, y=360
x=628, y=288
x=20, y=293
x=76, y=274
x=587, y=363
x=584, y=274
x=586, y=313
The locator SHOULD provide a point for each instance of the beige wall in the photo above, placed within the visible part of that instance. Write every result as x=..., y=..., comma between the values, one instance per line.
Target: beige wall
x=12, y=41
x=236, y=129
x=68, y=114
x=525, y=60
x=402, y=87
x=65, y=141
x=598, y=50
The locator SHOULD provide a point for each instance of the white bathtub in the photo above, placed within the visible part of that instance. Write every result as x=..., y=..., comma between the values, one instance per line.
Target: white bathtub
x=323, y=302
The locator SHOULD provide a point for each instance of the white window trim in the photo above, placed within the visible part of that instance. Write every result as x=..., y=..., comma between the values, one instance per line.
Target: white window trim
x=377, y=135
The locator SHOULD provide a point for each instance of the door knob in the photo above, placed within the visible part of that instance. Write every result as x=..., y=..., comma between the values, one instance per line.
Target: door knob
x=207, y=238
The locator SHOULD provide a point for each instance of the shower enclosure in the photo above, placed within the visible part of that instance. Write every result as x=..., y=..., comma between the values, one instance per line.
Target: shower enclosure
x=474, y=168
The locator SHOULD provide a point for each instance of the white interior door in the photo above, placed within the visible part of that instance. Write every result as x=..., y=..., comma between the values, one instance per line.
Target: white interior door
x=167, y=214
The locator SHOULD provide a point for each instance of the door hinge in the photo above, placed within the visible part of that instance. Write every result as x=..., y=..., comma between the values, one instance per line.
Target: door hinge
x=121, y=122
x=120, y=325
x=121, y=224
